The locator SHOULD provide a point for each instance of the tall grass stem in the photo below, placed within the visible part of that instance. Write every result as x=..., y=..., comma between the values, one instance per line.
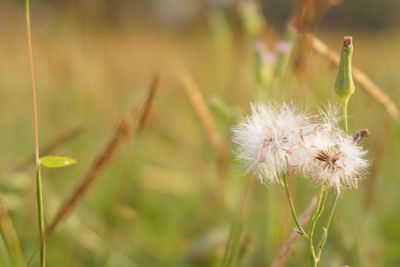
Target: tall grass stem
x=39, y=196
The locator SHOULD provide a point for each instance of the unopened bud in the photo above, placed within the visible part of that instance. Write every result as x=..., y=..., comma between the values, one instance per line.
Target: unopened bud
x=344, y=85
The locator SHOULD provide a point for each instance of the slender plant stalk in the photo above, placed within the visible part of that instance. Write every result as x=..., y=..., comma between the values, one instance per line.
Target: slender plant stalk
x=317, y=214
x=326, y=228
x=345, y=103
x=319, y=210
x=293, y=209
x=39, y=196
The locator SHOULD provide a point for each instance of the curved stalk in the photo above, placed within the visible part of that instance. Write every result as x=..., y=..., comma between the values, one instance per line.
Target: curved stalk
x=317, y=214
x=293, y=209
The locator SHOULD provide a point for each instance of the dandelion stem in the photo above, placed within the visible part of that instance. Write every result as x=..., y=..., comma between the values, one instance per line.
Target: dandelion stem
x=318, y=211
x=39, y=196
x=316, y=216
x=345, y=102
x=293, y=209
x=326, y=228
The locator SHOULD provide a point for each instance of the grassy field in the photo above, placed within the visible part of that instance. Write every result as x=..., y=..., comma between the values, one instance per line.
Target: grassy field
x=160, y=201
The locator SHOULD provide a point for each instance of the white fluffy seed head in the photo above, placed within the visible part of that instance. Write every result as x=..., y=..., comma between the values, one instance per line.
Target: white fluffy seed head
x=335, y=160
x=267, y=138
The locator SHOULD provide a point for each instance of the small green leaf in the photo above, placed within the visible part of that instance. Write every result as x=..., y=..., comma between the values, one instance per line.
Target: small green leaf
x=56, y=161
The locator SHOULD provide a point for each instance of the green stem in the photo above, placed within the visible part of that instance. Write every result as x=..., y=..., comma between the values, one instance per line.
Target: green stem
x=39, y=193
x=318, y=213
x=345, y=102
x=316, y=216
x=39, y=197
x=293, y=210
x=326, y=228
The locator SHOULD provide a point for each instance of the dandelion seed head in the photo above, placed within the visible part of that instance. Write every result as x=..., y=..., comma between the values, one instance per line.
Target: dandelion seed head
x=335, y=161
x=267, y=139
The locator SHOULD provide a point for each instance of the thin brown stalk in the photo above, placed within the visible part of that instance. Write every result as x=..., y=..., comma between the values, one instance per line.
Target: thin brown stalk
x=58, y=141
x=10, y=237
x=359, y=76
x=204, y=116
x=33, y=83
x=284, y=250
x=126, y=130
x=144, y=119
x=149, y=105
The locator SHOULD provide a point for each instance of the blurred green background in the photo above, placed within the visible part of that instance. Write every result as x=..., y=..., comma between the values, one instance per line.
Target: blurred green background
x=155, y=204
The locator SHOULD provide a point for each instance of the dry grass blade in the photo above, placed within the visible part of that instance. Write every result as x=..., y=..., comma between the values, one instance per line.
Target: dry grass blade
x=360, y=77
x=203, y=114
x=10, y=237
x=125, y=130
x=284, y=250
x=58, y=141
x=148, y=106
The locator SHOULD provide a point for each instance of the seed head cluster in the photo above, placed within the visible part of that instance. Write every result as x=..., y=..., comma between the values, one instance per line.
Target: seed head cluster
x=279, y=140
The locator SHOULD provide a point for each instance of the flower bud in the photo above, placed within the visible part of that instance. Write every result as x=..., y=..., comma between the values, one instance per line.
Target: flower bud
x=344, y=85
